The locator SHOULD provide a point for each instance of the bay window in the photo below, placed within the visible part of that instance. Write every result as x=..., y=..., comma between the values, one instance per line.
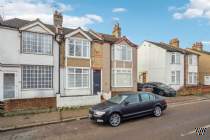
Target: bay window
x=78, y=78
x=122, y=53
x=36, y=43
x=122, y=77
x=37, y=77
x=78, y=48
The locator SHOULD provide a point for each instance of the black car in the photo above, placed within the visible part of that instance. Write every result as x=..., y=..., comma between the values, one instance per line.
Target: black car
x=158, y=88
x=126, y=106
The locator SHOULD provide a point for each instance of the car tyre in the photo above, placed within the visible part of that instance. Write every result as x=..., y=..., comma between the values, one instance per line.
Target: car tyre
x=115, y=119
x=157, y=111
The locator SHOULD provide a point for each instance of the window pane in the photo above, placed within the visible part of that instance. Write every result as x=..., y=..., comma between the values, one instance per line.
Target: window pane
x=36, y=43
x=37, y=77
x=144, y=97
x=78, y=49
x=133, y=99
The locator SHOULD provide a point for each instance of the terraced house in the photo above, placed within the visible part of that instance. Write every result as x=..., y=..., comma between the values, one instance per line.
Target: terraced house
x=44, y=65
x=167, y=63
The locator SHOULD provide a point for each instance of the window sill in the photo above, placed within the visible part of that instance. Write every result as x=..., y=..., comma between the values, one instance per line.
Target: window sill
x=37, y=54
x=37, y=89
x=77, y=57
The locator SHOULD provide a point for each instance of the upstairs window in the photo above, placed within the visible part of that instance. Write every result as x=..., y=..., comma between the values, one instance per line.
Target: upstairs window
x=122, y=53
x=36, y=43
x=79, y=48
x=192, y=60
x=175, y=58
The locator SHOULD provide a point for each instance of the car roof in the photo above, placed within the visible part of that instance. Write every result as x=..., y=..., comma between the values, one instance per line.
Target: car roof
x=131, y=93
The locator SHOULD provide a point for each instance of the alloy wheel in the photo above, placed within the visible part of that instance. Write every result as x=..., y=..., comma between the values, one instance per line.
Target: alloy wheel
x=157, y=111
x=115, y=119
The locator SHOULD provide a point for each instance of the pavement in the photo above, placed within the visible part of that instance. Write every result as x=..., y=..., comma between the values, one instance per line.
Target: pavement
x=178, y=122
x=32, y=120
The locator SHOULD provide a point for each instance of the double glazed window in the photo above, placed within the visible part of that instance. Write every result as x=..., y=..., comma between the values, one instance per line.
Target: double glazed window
x=175, y=58
x=122, y=53
x=37, y=77
x=36, y=43
x=121, y=77
x=192, y=78
x=192, y=59
x=175, y=77
x=78, y=77
x=78, y=48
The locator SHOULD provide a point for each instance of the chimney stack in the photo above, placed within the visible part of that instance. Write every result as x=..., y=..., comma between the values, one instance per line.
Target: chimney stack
x=58, y=24
x=174, y=42
x=198, y=46
x=116, y=30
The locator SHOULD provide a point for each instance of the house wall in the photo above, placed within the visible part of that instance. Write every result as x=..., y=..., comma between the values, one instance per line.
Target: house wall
x=10, y=51
x=174, y=67
x=193, y=67
x=152, y=60
x=203, y=66
x=132, y=65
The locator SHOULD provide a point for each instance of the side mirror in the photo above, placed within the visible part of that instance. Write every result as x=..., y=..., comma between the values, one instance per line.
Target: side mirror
x=126, y=103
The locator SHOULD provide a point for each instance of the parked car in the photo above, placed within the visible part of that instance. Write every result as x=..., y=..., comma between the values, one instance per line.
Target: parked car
x=158, y=88
x=127, y=105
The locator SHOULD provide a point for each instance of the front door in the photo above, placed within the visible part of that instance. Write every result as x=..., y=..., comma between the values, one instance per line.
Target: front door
x=9, y=85
x=96, y=81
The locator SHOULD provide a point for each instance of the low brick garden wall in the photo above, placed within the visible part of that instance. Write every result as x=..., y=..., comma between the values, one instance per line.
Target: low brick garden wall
x=26, y=104
x=193, y=90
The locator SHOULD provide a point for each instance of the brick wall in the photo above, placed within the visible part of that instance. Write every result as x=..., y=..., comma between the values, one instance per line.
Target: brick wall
x=33, y=103
x=191, y=90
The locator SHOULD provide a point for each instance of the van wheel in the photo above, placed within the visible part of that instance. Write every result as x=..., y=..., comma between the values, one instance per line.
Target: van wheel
x=114, y=119
x=157, y=111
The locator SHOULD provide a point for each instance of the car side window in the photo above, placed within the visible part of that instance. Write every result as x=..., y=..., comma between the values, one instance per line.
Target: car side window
x=151, y=97
x=133, y=99
x=146, y=97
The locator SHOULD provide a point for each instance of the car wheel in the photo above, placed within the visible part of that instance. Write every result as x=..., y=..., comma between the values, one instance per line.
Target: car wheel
x=161, y=93
x=157, y=111
x=114, y=119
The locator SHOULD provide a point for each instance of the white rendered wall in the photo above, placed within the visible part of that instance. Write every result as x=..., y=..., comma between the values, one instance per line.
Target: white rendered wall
x=151, y=59
x=10, y=41
x=174, y=67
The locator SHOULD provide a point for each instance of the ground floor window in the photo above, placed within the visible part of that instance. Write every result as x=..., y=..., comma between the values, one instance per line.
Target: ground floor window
x=192, y=78
x=175, y=77
x=78, y=77
x=37, y=77
x=122, y=77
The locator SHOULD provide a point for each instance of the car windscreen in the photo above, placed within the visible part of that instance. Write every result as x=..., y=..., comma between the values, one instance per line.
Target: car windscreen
x=118, y=99
x=163, y=86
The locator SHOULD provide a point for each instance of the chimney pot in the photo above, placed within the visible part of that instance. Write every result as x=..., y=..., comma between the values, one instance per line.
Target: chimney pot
x=116, y=30
x=174, y=42
x=198, y=46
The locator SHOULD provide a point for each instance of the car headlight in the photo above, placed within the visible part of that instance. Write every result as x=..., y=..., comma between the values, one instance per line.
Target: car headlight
x=99, y=113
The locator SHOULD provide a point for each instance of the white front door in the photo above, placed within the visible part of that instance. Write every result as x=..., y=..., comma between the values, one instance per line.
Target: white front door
x=206, y=80
x=9, y=85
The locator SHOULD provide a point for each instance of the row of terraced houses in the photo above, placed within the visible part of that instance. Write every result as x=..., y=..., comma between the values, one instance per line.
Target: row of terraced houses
x=44, y=66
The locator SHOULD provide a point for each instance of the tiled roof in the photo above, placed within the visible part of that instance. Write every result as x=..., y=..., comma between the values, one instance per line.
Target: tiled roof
x=171, y=48
x=205, y=52
x=18, y=23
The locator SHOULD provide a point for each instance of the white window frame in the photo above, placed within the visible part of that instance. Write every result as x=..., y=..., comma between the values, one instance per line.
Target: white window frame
x=114, y=80
x=193, y=76
x=115, y=53
x=29, y=49
x=175, y=75
x=67, y=78
x=52, y=74
x=74, y=56
x=177, y=58
x=192, y=60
